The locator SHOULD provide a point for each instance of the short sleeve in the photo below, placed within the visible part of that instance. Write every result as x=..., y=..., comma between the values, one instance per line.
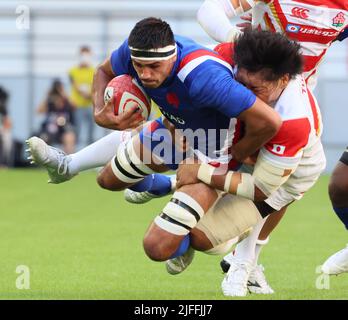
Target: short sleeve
x=286, y=147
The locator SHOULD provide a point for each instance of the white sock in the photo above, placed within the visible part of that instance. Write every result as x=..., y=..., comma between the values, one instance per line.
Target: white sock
x=97, y=154
x=259, y=245
x=245, y=250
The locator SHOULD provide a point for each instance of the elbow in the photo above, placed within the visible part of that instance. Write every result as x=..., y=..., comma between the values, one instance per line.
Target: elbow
x=97, y=119
x=276, y=124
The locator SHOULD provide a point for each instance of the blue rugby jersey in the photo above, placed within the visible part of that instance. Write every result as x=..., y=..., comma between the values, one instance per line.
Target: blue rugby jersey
x=200, y=93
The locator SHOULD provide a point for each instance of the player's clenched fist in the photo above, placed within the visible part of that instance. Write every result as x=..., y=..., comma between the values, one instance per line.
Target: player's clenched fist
x=106, y=117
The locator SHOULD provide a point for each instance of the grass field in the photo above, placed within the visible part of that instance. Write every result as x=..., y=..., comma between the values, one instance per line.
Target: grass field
x=81, y=242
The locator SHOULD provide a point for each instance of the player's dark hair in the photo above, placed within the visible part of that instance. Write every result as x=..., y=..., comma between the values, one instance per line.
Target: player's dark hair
x=270, y=52
x=151, y=33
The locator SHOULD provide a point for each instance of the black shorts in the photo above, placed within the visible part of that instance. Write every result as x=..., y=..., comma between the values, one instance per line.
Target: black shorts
x=344, y=157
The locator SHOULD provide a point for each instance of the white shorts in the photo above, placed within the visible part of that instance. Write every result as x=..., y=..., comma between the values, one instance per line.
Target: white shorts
x=229, y=217
x=307, y=173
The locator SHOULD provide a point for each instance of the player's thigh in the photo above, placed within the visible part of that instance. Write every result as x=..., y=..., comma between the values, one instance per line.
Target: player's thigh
x=230, y=217
x=204, y=195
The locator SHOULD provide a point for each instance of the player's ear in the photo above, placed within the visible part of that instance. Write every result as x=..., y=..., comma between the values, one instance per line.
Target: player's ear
x=284, y=80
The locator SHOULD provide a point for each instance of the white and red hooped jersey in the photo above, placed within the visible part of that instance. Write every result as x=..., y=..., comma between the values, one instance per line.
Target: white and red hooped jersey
x=314, y=23
x=297, y=144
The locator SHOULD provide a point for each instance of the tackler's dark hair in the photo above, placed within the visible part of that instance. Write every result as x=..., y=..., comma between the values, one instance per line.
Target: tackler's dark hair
x=151, y=33
x=270, y=52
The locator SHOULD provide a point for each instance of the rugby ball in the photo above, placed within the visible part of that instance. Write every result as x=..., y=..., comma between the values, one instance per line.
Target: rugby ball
x=127, y=93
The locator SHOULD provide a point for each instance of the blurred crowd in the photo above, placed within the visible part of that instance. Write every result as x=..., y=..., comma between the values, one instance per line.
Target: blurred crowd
x=67, y=116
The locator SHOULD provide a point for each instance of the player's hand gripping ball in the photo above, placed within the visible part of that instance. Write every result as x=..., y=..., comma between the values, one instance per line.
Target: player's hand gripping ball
x=127, y=93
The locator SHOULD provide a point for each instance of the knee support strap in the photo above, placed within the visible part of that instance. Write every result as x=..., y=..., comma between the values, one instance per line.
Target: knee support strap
x=126, y=165
x=180, y=215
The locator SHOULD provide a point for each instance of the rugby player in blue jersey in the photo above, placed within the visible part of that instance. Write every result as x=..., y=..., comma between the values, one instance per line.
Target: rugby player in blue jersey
x=206, y=97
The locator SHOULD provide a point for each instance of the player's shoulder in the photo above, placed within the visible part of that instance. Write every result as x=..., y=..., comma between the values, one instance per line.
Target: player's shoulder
x=294, y=102
x=195, y=59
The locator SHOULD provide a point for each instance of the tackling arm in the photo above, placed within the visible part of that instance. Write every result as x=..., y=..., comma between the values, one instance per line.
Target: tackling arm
x=262, y=123
x=265, y=180
x=214, y=17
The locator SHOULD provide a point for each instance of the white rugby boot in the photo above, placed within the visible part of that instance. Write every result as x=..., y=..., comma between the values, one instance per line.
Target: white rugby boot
x=54, y=160
x=138, y=197
x=337, y=263
x=179, y=264
x=144, y=196
x=257, y=282
x=236, y=279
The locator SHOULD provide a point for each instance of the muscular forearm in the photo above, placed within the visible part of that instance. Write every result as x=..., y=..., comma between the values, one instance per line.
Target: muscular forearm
x=214, y=17
x=237, y=183
x=265, y=180
x=261, y=124
x=253, y=140
x=100, y=81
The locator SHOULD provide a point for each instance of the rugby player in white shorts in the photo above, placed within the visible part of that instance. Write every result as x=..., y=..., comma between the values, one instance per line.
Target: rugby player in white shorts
x=315, y=25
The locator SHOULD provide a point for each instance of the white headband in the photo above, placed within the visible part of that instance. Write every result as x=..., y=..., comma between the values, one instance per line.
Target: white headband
x=157, y=54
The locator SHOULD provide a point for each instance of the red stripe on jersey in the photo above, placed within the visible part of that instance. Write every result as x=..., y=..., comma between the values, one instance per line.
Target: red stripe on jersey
x=332, y=4
x=311, y=62
x=312, y=74
x=278, y=13
x=314, y=112
x=269, y=23
x=291, y=138
x=312, y=34
x=226, y=51
x=196, y=54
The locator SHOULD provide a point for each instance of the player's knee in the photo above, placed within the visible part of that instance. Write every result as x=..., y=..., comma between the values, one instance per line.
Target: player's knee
x=338, y=186
x=338, y=192
x=156, y=249
x=106, y=182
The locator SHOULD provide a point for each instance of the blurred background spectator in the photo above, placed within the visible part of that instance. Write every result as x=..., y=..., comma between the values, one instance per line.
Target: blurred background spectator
x=81, y=78
x=58, y=126
x=6, y=143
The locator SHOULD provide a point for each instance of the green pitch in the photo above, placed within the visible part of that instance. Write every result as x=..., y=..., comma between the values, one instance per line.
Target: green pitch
x=81, y=242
